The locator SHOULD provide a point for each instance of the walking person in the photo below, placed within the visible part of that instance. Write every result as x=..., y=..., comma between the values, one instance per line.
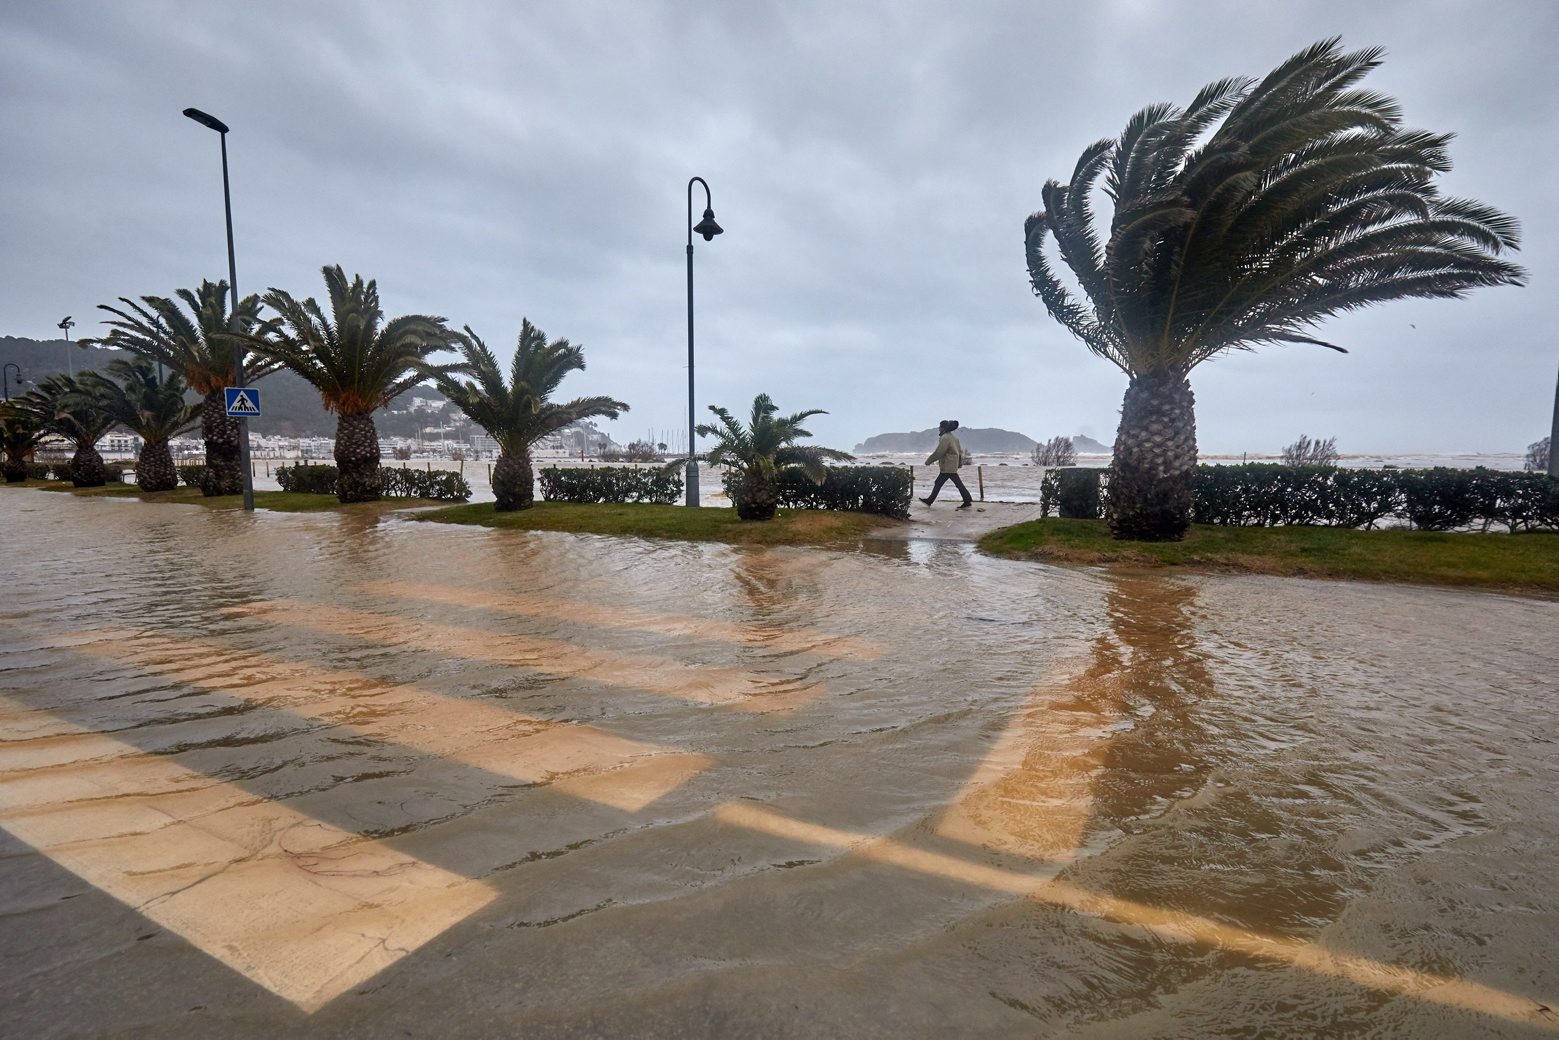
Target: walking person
x=948, y=456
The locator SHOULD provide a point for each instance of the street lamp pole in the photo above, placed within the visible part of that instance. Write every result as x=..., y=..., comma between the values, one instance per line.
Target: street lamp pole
x=70, y=365
x=232, y=287
x=1553, y=438
x=5, y=377
x=709, y=229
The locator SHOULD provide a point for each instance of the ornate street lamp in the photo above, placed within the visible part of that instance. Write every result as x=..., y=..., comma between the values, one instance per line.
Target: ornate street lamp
x=709, y=229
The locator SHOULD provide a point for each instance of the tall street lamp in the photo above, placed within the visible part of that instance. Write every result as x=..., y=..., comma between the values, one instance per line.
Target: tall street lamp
x=709, y=229
x=232, y=287
x=70, y=366
x=1553, y=439
x=5, y=377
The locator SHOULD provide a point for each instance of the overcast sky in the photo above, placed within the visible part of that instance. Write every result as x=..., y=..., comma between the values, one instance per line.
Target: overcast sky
x=872, y=166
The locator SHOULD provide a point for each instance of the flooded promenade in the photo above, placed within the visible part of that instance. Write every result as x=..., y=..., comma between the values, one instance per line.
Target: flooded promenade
x=292, y=775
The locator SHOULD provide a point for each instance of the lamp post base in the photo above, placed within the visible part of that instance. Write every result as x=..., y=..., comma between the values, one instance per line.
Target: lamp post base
x=691, y=481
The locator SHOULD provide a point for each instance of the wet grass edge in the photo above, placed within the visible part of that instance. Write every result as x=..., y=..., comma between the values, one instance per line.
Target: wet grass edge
x=1525, y=563
x=802, y=527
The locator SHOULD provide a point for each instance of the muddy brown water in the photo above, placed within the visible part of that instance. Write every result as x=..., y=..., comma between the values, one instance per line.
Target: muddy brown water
x=326, y=776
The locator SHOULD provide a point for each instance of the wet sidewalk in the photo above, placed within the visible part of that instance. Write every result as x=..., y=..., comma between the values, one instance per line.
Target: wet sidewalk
x=945, y=522
x=326, y=776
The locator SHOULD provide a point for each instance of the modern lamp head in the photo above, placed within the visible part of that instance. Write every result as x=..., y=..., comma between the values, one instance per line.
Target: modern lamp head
x=707, y=227
x=206, y=120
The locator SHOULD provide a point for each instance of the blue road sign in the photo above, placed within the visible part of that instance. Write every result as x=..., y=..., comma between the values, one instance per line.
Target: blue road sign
x=243, y=402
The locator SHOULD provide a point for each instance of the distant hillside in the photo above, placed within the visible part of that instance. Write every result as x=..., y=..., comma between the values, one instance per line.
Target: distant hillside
x=986, y=440
x=989, y=441
x=290, y=406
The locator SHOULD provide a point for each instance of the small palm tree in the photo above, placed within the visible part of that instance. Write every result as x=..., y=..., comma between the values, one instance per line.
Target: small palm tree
x=763, y=449
x=65, y=406
x=521, y=413
x=1309, y=199
x=20, y=434
x=152, y=408
x=356, y=360
x=200, y=346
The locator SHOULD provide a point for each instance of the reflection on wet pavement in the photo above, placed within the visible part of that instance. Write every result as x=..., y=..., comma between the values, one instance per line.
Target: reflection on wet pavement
x=324, y=776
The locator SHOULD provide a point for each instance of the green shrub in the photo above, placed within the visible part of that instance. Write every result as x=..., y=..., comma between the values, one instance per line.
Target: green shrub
x=613, y=484
x=1267, y=495
x=1439, y=499
x=882, y=490
x=38, y=471
x=1363, y=497
x=445, y=485
x=1078, y=493
x=189, y=473
x=310, y=480
x=115, y=471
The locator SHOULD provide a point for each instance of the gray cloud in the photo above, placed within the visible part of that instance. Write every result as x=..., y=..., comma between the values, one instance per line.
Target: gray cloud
x=872, y=166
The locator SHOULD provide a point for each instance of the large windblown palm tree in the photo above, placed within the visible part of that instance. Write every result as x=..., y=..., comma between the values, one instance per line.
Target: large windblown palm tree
x=199, y=346
x=1247, y=217
x=521, y=413
x=761, y=450
x=357, y=361
x=152, y=408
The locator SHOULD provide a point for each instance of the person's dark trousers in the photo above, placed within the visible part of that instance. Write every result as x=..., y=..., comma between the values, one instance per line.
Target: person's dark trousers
x=943, y=478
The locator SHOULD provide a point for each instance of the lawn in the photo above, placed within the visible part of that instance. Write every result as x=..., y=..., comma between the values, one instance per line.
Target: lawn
x=704, y=524
x=1526, y=562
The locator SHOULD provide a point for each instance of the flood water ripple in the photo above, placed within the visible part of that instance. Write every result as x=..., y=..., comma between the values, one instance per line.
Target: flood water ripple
x=331, y=776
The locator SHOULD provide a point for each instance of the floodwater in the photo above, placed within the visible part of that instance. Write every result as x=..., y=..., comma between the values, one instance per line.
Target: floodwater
x=330, y=776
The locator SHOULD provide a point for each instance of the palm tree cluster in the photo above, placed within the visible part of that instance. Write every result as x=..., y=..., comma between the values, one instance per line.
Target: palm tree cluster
x=82, y=409
x=359, y=362
x=1245, y=218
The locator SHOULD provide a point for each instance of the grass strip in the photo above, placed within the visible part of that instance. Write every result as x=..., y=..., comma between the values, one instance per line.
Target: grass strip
x=1527, y=562
x=704, y=524
x=275, y=501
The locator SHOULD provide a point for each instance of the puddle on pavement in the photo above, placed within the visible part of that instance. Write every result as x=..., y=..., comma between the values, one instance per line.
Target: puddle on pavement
x=294, y=772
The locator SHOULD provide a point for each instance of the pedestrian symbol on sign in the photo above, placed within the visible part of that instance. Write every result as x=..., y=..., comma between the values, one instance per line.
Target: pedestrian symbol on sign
x=242, y=401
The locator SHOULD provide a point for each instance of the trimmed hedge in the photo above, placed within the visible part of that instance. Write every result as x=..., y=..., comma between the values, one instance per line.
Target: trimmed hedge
x=445, y=485
x=38, y=470
x=113, y=472
x=883, y=490
x=613, y=484
x=189, y=473
x=440, y=484
x=309, y=480
x=1267, y=495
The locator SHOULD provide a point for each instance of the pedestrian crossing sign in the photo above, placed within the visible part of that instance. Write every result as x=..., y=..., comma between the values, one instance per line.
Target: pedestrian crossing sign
x=243, y=402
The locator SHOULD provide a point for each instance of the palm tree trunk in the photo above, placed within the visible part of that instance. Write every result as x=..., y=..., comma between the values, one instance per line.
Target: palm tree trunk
x=86, y=467
x=154, y=470
x=15, y=469
x=357, y=459
x=758, y=498
x=224, y=474
x=514, y=481
x=1155, y=460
